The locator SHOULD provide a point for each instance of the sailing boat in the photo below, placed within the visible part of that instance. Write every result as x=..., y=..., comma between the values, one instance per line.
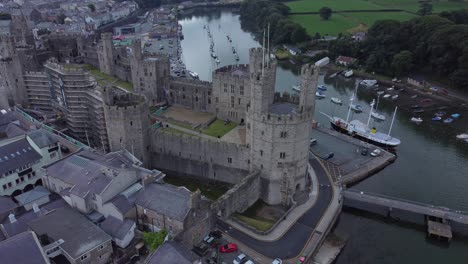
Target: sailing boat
x=376, y=114
x=362, y=131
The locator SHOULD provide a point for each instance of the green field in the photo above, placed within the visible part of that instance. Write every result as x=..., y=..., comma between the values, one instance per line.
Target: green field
x=341, y=5
x=342, y=22
x=345, y=21
x=335, y=5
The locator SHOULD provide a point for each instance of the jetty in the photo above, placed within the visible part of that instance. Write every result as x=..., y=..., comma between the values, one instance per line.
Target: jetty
x=440, y=221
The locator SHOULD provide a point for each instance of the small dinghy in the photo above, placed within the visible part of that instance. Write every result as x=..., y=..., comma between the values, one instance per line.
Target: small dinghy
x=319, y=95
x=322, y=87
x=462, y=136
x=448, y=120
x=455, y=115
x=416, y=120
x=336, y=100
x=436, y=118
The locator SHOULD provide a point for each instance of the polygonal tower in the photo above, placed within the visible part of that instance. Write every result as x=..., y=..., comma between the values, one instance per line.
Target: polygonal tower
x=105, y=53
x=278, y=134
x=127, y=123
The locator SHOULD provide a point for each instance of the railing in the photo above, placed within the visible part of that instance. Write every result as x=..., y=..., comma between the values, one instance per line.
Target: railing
x=50, y=129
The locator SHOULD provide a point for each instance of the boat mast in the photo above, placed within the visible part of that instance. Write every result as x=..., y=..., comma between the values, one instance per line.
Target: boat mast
x=349, y=109
x=393, y=119
x=370, y=112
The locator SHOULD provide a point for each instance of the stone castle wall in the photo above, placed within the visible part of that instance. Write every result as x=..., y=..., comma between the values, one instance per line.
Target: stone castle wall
x=240, y=197
x=193, y=94
x=199, y=157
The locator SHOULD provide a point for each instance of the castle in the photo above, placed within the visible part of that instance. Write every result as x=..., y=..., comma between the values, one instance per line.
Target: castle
x=276, y=128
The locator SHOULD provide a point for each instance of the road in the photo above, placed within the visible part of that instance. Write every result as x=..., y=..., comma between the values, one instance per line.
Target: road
x=294, y=240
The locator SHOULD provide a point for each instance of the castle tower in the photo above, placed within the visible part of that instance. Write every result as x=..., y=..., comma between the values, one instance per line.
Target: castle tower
x=128, y=123
x=150, y=74
x=309, y=79
x=278, y=134
x=106, y=54
x=11, y=74
x=262, y=82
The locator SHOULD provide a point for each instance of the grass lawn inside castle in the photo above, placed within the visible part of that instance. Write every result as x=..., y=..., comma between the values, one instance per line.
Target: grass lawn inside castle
x=210, y=190
x=260, y=215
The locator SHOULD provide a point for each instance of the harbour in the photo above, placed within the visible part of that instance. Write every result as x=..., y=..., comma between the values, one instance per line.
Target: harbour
x=420, y=172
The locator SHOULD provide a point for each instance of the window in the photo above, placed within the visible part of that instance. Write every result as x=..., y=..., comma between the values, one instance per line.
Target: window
x=101, y=246
x=232, y=101
x=241, y=90
x=229, y=160
x=53, y=155
x=4, y=187
x=282, y=155
x=84, y=257
x=261, y=152
x=239, y=100
x=283, y=134
x=232, y=89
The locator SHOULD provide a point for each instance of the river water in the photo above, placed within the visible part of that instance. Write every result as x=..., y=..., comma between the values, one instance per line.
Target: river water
x=432, y=165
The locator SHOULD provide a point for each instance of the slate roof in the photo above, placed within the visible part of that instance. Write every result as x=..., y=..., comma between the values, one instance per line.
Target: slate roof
x=23, y=248
x=42, y=138
x=123, y=204
x=6, y=119
x=14, y=130
x=6, y=204
x=170, y=253
x=345, y=59
x=92, y=173
x=116, y=228
x=32, y=195
x=79, y=234
x=166, y=199
x=15, y=154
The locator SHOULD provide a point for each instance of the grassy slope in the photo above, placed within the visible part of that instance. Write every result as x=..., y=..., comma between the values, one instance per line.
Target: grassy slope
x=332, y=27
x=104, y=79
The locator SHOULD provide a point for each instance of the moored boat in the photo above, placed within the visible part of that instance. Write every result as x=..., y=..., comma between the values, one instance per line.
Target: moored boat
x=322, y=87
x=378, y=116
x=386, y=96
x=416, y=120
x=369, y=83
x=462, y=136
x=436, y=118
x=395, y=97
x=336, y=100
x=296, y=88
x=448, y=120
x=319, y=95
x=355, y=107
x=455, y=115
x=193, y=74
x=348, y=74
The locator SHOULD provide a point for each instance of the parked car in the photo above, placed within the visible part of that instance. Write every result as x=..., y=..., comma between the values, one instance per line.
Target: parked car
x=242, y=258
x=249, y=262
x=277, y=261
x=208, y=239
x=364, y=151
x=201, y=249
x=228, y=248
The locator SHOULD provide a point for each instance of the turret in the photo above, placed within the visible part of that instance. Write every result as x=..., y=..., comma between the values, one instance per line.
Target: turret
x=262, y=81
x=309, y=76
x=106, y=54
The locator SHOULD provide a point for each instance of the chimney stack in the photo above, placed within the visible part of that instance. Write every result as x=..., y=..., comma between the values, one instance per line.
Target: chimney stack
x=35, y=208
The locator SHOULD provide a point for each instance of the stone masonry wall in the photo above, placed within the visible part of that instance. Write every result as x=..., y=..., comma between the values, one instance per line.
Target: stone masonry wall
x=199, y=157
x=239, y=198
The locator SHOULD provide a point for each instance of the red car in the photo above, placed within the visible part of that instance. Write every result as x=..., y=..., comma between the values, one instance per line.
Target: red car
x=228, y=248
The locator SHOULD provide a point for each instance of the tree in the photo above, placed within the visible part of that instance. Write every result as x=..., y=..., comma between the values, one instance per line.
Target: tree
x=402, y=63
x=154, y=240
x=325, y=13
x=92, y=7
x=299, y=34
x=425, y=9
